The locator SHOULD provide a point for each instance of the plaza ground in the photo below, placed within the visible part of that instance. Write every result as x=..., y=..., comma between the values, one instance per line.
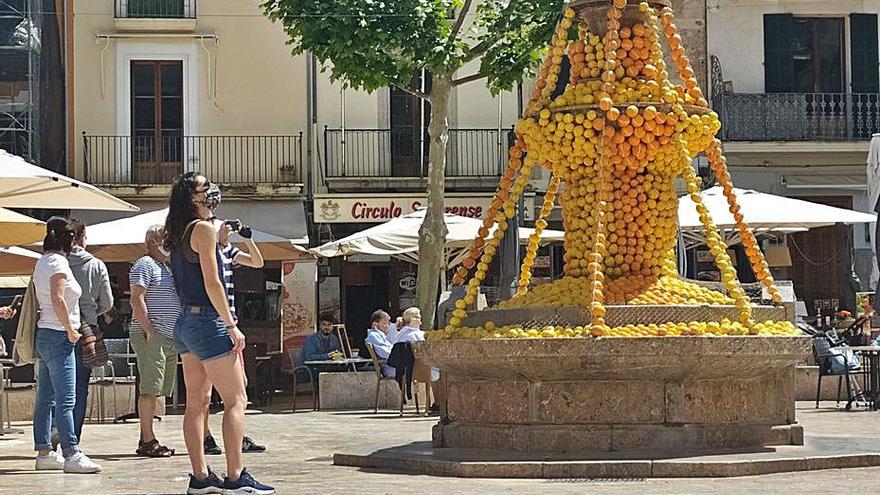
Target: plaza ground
x=301, y=446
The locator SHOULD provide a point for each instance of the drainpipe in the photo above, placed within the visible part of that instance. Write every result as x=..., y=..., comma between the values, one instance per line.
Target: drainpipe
x=342, y=111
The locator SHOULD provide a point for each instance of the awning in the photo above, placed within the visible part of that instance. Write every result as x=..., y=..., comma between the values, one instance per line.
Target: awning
x=18, y=230
x=23, y=185
x=14, y=281
x=399, y=237
x=282, y=218
x=851, y=182
x=123, y=240
x=763, y=212
x=17, y=261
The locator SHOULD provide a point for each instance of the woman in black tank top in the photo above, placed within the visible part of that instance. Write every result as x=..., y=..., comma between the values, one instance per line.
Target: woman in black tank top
x=206, y=334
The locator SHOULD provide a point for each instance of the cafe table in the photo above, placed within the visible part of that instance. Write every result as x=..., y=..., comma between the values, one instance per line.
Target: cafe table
x=348, y=363
x=870, y=360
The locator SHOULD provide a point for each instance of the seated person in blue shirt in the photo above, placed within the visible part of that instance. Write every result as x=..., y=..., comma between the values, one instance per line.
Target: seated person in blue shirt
x=322, y=345
x=377, y=335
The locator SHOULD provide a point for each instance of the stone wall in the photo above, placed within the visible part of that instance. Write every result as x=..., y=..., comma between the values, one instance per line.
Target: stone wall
x=690, y=18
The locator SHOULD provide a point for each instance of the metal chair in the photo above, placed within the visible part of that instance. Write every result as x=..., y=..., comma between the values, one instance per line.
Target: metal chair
x=822, y=346
x=120, y=357
x=296, y=360
x=379, y=378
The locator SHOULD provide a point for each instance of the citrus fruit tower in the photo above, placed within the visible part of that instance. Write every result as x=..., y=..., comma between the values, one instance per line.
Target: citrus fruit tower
x=614, y=142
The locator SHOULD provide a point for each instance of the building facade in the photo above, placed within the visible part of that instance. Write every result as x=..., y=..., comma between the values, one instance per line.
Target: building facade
x=796, y=86
x=164, y=87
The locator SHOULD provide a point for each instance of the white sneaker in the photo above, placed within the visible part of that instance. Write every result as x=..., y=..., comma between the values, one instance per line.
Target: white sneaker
x=52, y=462
x=80, y=463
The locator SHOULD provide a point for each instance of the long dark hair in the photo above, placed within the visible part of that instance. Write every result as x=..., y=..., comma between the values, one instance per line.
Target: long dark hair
x=59, y=235
x=181, y=209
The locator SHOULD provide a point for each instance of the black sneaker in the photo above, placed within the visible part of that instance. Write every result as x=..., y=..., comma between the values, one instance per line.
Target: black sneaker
x=248, y=445
x=211, y=484
x=211, y=447
x=245, y=484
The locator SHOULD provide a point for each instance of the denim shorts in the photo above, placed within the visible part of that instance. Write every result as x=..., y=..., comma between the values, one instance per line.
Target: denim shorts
x=201, y=331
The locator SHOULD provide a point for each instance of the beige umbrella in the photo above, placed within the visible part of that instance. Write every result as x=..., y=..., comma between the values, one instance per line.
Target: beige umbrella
x=399, y=237
x=18, y=230
x=123, y=240
x=17, y=261
x=23, y=185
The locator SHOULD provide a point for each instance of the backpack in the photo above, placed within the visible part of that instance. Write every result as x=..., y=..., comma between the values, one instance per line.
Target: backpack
x=23, y=351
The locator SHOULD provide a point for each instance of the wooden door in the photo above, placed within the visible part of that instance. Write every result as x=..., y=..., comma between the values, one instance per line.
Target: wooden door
x=156, y=120
x=409, y=121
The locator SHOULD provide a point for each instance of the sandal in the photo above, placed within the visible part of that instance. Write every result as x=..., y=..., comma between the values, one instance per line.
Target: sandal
x=153, y=449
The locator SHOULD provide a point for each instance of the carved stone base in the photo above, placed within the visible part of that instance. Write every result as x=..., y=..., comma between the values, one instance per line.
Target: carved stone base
x=604, y=395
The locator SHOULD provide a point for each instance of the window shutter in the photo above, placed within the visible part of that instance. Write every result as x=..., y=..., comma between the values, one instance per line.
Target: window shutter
x=863, y=47
x=778, y=53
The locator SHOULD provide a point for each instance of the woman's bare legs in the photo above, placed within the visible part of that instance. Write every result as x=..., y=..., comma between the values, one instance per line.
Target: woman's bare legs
x=198, y=394
x=226, y=375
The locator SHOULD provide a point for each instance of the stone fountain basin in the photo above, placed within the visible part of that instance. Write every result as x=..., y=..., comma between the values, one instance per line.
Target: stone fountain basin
x=639, y=395
x=630, y=359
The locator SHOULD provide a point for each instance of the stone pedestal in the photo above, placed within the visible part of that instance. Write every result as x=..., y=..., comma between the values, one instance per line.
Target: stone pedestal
x=604, y=395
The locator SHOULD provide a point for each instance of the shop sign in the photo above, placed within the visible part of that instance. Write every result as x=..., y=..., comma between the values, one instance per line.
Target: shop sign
x=348, y=209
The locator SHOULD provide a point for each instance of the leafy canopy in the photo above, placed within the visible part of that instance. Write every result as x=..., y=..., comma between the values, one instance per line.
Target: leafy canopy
x=370, y=44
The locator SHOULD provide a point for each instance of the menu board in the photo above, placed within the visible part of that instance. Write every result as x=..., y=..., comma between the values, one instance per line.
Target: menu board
x=299, y=281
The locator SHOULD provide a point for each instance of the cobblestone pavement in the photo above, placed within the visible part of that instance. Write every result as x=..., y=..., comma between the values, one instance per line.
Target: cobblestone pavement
x=301, y=447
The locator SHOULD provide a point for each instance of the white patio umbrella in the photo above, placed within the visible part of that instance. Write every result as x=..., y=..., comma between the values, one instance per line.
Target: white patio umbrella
x=763, y=212
x=18, y=230
x=123, y=240
x=17, y=261
x=399, y=237
x=873, y=173
x=23, y=185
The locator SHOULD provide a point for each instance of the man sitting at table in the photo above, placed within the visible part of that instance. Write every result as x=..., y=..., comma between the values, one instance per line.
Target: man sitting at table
x=377, y=335
x=323, y=345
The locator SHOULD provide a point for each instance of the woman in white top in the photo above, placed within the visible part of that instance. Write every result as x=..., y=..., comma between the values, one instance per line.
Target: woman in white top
x=57, y=333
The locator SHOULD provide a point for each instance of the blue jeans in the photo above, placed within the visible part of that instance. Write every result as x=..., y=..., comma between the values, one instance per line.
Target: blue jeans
x=83, y=375
x=56, y=386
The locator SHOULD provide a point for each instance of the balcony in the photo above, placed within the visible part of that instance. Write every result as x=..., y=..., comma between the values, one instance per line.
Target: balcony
x=245, y=161
x=798, y=116
x=472, y=155
x=155, y=15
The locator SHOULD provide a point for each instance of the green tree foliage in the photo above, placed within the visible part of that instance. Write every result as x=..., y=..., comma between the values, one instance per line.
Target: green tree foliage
x=371, y=44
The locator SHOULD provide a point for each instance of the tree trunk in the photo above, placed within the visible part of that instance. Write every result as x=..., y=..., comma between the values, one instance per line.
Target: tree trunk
x=432, y=234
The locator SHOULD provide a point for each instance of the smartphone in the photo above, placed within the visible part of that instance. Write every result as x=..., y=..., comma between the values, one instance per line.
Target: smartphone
x=16, y=302
x=235, y=224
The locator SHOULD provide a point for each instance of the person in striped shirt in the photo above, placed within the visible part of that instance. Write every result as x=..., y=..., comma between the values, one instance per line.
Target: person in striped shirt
x=230, y=256
x=155, y=309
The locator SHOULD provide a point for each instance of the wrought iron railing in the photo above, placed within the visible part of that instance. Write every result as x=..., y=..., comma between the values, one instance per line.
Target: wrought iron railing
x=120, y=160
x=798, y=116
x=155, y=9
x=403, y=152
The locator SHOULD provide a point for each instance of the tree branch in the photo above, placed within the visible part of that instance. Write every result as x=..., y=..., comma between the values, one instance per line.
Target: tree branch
x=480, y=48
x=460, y=20
x=467, y=79
x=477, y=51
x=413, y=92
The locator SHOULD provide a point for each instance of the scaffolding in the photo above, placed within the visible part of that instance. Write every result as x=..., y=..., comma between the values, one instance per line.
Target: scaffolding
x=20, y=56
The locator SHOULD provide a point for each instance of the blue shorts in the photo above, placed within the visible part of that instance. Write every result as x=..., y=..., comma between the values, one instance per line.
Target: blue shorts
x=201, y=331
